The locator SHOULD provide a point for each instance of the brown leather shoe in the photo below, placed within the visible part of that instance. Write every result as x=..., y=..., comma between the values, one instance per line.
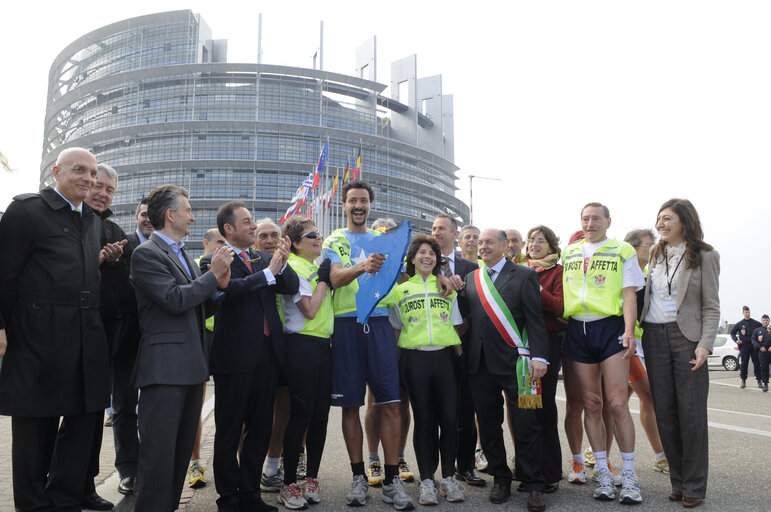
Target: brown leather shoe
x=500, y=492
x=691, y=502
x=535, y=501
x=675, y=495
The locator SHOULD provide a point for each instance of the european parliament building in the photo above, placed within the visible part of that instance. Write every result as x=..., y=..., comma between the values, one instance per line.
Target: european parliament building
x=154, y=97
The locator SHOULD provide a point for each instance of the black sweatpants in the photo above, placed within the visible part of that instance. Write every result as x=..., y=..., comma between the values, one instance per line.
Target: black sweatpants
x=432, y=382
x=309, y=377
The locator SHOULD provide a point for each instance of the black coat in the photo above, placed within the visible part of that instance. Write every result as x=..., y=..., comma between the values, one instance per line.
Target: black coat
x=57, y=360
x=519, y=288
x=239, y=318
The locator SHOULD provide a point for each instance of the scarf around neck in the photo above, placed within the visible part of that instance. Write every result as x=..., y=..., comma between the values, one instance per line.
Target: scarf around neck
x=544, y=263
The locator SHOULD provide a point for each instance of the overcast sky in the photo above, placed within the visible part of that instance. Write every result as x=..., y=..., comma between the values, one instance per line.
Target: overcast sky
x=627, y=103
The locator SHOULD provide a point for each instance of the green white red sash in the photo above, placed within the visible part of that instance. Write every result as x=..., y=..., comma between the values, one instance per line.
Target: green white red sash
x=529, y=395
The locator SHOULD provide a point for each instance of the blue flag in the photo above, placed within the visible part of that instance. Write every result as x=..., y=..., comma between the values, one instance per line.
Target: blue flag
x=394, y=244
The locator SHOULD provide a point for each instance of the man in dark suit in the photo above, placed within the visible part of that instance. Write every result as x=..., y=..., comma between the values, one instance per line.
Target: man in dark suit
x=171, y=366
x=55, y=376
x=492, y=368
x=445, y=231
x=245, y=356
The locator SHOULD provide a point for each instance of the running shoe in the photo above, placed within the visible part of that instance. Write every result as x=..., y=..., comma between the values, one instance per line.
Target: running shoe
x=605, y=490
x=662, y=466
x=357, y=496
x=195, y=476
x=272, y=483
x=451, y=489
x=404, y=471
x=375, y=474
x=291, y=496
x=577, y=473
x=302, y=466
x=589, y=459
x=480, y=460
x=395, y=494
x=427, y=493
x=630, y=489
x=311, y=491
x=614, y=476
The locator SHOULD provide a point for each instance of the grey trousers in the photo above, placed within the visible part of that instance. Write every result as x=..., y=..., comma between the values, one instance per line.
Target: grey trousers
x=680, y=402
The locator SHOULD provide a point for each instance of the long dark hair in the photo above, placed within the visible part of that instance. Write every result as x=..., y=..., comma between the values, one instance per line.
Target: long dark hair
x=692, y=232
x=415, y=247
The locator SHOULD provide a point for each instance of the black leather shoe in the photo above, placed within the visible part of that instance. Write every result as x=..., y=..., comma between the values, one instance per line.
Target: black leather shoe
x=500, y=492
x=535, y=502
x=95, y=502
x=471, y=477
x=127, y=485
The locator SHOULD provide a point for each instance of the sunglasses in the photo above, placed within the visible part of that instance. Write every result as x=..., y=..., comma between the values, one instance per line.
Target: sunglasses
x=312, y=235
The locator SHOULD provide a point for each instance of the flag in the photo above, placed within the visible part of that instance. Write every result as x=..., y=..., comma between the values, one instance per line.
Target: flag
x=332, y=189
x=289, y=212
x=357, y=169
x=347, y=175
x=303, y=190
x=320, y=165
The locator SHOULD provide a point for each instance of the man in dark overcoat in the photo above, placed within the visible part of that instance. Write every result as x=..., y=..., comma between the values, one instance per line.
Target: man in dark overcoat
x=56, y=366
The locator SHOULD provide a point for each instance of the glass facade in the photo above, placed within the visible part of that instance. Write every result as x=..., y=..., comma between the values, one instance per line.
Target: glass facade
x=151, y=97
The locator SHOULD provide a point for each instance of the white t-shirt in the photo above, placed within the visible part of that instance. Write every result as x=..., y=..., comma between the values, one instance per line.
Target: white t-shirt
x=294, y=320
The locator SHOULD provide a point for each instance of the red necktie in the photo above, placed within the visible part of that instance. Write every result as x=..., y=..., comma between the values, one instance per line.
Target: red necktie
x=245, y=256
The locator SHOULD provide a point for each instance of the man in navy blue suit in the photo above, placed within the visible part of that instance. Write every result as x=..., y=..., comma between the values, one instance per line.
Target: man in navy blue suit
x=245, y=356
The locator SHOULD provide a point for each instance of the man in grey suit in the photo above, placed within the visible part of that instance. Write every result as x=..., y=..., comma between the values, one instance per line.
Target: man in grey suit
x=492, y=366
x=171, y=364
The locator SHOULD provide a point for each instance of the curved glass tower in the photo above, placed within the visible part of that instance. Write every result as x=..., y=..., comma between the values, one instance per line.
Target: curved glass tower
x=155, y=97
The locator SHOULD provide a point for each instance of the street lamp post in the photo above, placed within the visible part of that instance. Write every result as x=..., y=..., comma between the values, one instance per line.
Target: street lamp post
x=471, y=194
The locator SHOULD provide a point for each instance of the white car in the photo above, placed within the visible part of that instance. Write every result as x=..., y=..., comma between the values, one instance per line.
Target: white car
x=725, y=353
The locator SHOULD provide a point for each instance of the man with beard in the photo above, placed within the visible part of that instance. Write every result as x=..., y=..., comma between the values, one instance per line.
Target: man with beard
x=362, y=355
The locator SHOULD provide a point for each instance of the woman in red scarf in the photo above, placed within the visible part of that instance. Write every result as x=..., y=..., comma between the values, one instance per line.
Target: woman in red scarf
x=543, y=254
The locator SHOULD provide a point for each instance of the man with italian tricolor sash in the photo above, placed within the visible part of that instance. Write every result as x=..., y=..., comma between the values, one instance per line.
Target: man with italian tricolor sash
x=600, y=279
x=508, y=351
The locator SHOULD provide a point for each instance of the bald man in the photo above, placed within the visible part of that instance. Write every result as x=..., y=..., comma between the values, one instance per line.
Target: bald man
x=55, y=380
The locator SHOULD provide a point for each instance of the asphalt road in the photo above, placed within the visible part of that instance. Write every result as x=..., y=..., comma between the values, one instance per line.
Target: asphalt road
x=740, y=443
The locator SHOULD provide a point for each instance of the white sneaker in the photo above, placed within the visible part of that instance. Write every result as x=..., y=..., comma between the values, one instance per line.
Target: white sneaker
x=395, y=494
x=605, y=490
x=291, y=496
x=630, y=489
x=311, y=491
x=427, y=493
x=577, y=474
x=357, y=496
x=302, y=466
x=614, y=476
x=480, y=460
x=451, y=490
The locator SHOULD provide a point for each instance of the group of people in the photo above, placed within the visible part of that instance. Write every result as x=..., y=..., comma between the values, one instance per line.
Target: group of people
x=754, y=340
x=465, y=336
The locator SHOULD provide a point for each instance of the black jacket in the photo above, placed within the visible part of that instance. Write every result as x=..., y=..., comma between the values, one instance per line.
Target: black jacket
x=761, y=337
x=743, y=330
x=57, y=362
x=238, y=328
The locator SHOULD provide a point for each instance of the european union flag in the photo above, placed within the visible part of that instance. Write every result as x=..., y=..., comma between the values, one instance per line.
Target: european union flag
x=394, y=244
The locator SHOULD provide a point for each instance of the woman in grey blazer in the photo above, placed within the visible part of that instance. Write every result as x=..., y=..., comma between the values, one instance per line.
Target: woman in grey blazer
x=680, y=318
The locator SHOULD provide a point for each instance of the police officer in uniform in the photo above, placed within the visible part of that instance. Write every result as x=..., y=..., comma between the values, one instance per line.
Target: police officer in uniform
x=761, y=343
x=742, y=335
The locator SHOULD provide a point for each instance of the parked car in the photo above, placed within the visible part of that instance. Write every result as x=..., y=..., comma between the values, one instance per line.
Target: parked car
x=725, y=353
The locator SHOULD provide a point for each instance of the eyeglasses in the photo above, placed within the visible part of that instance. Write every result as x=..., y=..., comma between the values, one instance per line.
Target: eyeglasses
x=313, y=235
x=536, y=240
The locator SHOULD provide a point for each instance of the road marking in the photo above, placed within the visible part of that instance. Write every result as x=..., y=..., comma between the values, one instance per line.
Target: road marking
x=721, y=426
